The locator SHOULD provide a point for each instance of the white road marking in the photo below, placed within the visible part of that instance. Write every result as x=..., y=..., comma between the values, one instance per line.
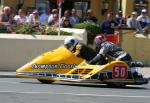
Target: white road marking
x=10, y=82
x=76, y=94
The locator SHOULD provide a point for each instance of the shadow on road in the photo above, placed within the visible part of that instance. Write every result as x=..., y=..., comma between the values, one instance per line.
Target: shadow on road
x=92, y=85
x=101, y=86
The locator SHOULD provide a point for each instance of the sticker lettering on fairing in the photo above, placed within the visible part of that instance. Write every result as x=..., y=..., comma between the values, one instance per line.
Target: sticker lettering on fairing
x=44, y=66
x=53, y=66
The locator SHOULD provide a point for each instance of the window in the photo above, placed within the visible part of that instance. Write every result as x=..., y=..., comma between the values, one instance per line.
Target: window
x=139, y=5
x=81, y=7
x=41, y=4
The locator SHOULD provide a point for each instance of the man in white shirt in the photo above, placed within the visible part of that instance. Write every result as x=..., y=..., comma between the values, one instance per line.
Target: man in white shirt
x=133, y=23
x=34, y=18
x=144, y=20
x=21, y=17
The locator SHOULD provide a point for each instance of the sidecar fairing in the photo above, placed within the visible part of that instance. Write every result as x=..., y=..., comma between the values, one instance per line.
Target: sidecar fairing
x=62, y=65
x=46, y=66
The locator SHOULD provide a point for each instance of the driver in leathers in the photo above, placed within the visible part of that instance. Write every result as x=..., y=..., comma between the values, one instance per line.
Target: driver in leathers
x=79, y=49
x=108, y=50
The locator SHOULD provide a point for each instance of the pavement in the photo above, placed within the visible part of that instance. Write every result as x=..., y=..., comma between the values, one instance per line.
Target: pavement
x=12, y=74
x=145, y=72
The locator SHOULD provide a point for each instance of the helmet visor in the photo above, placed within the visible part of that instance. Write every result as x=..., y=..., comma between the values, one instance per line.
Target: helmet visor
x=69, y=45
x=97, y=42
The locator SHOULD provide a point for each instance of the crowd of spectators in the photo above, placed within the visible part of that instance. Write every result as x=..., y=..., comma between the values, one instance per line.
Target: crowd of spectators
x=70, y=18
x=140, y=23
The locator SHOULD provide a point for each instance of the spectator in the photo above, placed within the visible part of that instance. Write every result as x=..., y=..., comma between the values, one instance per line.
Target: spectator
x=120, y=19
x=44, y=16
x=109, y=25
x=89, y=17
x=74, y=18
x=133, y=23
x=65, y=16
x=5, y=16
x=144, y=20
x=21, y=17
x=66, y=23
x=50, y=18
x=6, y=20
x=54, y=22
x=34, y=18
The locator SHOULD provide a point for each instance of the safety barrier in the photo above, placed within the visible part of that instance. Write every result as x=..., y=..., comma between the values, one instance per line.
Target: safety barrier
x=137, y=45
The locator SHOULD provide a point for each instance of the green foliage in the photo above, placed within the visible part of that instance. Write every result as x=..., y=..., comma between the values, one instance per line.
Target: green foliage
x=92, y=29
x=25, y=29
x=65, y=33
x=38, y=30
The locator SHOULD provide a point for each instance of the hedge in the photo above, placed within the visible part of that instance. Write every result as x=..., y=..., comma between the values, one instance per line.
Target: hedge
x=38, y=30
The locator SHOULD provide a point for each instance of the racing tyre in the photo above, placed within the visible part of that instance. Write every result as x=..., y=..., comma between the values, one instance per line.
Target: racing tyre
x=116, y=85
x=45, y=81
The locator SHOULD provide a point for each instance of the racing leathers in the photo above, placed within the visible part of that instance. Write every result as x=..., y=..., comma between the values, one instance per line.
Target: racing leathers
x=110, y=51
x=83, y=51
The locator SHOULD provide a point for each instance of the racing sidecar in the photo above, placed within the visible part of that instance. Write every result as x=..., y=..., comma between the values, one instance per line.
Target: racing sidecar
x=62, y=65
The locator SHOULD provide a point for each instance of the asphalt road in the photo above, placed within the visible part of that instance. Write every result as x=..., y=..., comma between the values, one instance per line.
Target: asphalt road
x=18, y=90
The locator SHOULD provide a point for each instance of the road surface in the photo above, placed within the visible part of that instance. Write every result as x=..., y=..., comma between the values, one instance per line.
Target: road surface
x=18, y=90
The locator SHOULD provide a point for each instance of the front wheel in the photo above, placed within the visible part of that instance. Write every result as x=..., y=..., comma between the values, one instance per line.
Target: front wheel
x=45, y=81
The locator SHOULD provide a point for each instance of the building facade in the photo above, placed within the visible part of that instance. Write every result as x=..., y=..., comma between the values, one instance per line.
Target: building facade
x=100, y=7
x=16, y=4
x=126, y=6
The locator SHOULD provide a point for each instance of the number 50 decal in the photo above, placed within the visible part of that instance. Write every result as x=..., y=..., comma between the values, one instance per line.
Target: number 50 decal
x=120, y=72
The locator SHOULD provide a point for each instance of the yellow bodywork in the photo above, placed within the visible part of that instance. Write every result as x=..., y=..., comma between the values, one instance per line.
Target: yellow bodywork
x=57, y=56
x=53, y=64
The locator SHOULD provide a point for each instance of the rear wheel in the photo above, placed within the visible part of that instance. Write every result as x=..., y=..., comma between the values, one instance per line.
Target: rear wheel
x=45, y=81
x=116, y=84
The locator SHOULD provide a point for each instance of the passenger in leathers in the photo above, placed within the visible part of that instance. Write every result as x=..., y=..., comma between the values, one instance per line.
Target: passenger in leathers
x=79, y=49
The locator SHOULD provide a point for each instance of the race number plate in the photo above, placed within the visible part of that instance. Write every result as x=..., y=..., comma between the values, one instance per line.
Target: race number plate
x=120, y=72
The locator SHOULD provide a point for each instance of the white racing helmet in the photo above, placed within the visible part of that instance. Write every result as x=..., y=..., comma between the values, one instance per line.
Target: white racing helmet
x=70, y=42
